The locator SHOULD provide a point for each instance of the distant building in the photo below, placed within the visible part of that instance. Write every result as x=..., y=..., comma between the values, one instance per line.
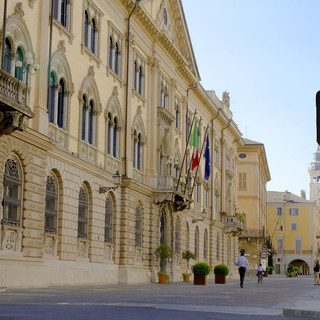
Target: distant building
x=314, y=173
x=253, y=175
x=293, y=226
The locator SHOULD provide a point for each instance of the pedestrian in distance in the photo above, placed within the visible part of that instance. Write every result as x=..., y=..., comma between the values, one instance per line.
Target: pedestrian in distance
x=260, y=273
x=316, y=272
x=242, y=264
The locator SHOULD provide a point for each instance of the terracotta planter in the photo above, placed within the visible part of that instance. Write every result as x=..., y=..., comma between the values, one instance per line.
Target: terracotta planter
x=265, y=273
x=186, y=277
x=220, y=278
x=199, y=279
x=162, y=278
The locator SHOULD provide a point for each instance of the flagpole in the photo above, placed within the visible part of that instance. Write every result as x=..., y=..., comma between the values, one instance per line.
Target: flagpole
x=185, y=152
x=194, y=180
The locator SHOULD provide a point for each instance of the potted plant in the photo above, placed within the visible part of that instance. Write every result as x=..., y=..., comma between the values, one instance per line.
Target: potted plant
x=187, y=255
x=269, y=269
x=200, y=271
x=163, y=252
x=296, y=270
x=220, y=271
x=163, y=277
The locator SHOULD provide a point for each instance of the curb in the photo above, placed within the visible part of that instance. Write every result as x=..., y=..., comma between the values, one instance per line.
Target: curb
x=313, y=314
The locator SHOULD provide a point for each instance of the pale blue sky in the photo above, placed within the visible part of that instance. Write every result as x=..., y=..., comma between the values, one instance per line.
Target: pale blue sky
x=266, y=54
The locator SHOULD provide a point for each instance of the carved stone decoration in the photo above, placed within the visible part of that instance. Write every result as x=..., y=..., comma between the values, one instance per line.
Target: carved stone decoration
x=18, y=10
x=61, y=46
x=226, y=98
x=11, y=240
x=108, y=253
x=91, y=72
x=31, y=3
x=138, y=256
x=50, y=245
x=83, y=248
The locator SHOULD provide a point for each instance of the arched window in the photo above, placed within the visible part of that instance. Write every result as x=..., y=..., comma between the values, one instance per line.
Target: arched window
x=18, y=73
x=93, y=36
x=162, y=237
x=90, y=129
x=86, y=29
x=7, y=56
x=12, y=193
x=138, y=230
x=177, y=237
x=84, y=115
x=108, y=221
x=51, y=98
x=51, y=209
x=177, y=118
x=218, y=247
x=196, y=242
x=115, y=137
x=116, y=60
x=60, y=121
x=110, y=53
x=205, y=245
x=140, y=80
x=135, y=85
x=83, y=213
x=109, y=134
x=139, y=165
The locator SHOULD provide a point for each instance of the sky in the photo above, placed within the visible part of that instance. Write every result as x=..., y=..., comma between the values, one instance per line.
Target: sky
x=266, y=54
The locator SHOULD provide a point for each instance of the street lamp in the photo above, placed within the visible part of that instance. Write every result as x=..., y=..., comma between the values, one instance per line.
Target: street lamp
x=117, y=180
x=203, y=213
x=29, y=65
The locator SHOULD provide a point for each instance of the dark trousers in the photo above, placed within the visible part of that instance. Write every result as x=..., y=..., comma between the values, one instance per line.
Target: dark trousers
x=242, y=271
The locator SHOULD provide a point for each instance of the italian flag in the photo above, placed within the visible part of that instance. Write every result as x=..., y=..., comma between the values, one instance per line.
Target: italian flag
x=280, y=224
x=195, y=144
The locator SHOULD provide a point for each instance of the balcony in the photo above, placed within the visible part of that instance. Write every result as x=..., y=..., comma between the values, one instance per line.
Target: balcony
x=233, y=224
x=14, y=109
x=166, y=190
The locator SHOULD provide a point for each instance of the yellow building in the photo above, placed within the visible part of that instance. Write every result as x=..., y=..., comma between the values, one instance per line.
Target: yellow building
x=293, y=224
x=253, y=175
x=120, y=101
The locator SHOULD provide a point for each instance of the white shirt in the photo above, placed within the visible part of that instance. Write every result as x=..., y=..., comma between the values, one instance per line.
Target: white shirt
x=241, y=262
x=260, y=269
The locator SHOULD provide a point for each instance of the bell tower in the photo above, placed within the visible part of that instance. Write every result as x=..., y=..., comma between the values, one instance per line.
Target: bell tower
x=314, y=173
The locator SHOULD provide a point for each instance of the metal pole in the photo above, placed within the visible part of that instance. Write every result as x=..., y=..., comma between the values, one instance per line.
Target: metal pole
x=4, y=25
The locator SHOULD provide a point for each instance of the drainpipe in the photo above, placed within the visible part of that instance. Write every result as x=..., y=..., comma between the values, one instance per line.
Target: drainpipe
x=221, y=180
x=212, y=162
x=50, y=49
x=127, y=89
x=4, y=28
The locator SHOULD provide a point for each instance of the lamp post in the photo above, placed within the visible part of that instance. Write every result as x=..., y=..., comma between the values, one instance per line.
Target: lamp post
x=117, y=180
x=29, y=65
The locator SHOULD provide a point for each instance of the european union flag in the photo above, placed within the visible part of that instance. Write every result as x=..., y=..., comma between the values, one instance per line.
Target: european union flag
x=207, y=157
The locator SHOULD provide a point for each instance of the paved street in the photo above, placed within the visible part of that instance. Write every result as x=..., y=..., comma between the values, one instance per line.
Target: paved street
x=165, y=301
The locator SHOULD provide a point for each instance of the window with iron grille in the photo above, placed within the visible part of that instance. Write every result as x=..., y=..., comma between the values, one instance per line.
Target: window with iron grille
x=83, y=213
x=51, y=209
x=108, y=221
x=138, y=232
x=12, y=193
x=177, y=237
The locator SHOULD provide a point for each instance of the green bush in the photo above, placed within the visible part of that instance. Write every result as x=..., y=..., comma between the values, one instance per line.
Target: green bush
x=270, y=268
x=201, y=268
x=290, y=274
x=221, y=269
x=290, y=268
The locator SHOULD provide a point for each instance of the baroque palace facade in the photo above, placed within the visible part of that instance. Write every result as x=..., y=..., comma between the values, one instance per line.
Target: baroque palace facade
x=121, y=96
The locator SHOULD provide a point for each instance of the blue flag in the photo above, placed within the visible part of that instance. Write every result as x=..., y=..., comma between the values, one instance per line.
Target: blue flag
x=207, y=157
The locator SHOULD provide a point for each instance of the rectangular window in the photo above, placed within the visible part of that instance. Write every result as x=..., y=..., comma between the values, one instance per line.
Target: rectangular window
x=279, y=211
x=293, y=226
x=206, y=198
x=293, y=211
x=242, y=180
x=298, y=243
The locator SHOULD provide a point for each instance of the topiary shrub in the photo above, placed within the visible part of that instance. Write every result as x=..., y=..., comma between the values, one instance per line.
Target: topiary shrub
x=221, y=269
x=201, y=268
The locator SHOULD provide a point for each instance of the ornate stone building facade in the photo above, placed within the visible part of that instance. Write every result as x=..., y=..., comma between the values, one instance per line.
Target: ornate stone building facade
x=121, y=95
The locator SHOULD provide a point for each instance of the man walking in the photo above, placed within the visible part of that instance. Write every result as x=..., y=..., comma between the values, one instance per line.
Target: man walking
x=242, y=263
